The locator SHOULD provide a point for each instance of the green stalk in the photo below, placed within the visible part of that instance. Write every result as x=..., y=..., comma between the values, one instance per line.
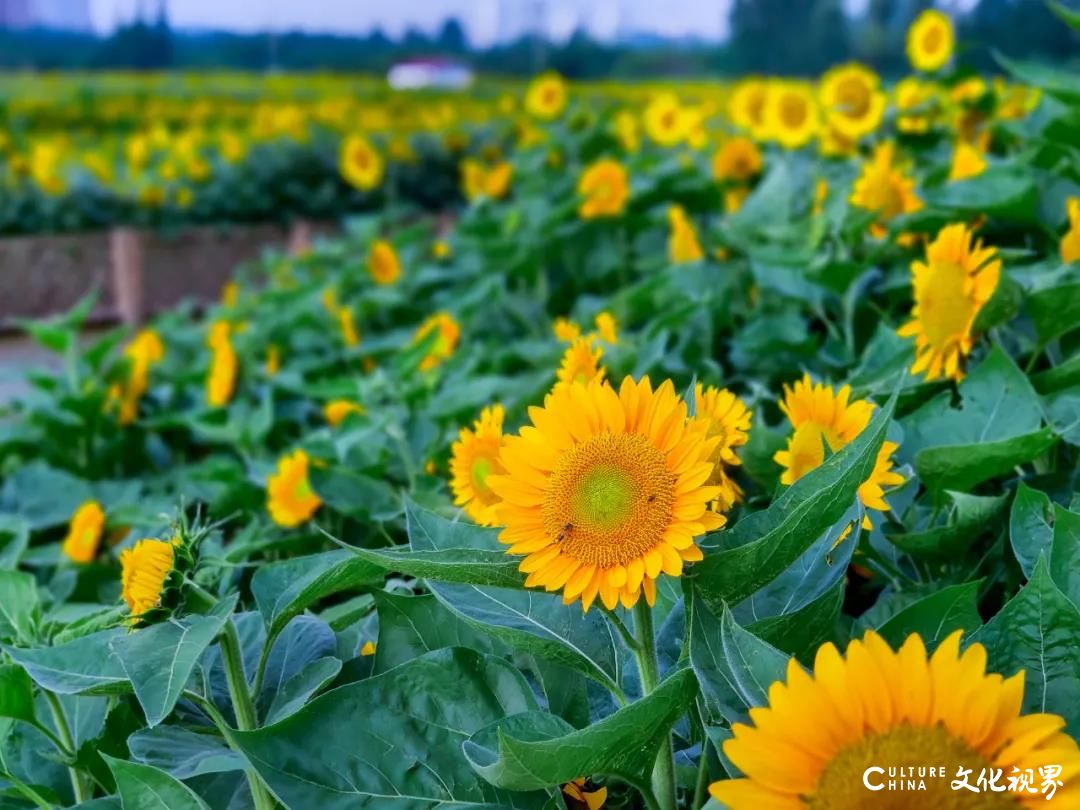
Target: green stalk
x=702, y=778
x=243, y=706
x=663, y=777
x=64, y=732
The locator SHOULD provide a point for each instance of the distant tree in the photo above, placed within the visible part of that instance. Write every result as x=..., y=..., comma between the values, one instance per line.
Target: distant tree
x=783, y=37
x=451, y=38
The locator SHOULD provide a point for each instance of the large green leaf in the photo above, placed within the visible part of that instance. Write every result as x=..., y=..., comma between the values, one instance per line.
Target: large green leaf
x=802, y=631
x=393, y=740
x=1053, y=80
x=158, y=660
x=536, y=750
x=1036, y=631
x=20, y=607
x=1003, y=191
x=1031, y=527
x=286, y=589
x=14, y=538
x=968, y=517
x=182, y=753
x=1065, y=553
x=762, y=545
x=1054, y=310
x=85, y=666
x=935, y=616
x=143, y=787
x=16, y=693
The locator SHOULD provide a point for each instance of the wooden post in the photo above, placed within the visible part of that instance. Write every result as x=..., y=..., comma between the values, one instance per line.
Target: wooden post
x=299, y=237
x=127, y=275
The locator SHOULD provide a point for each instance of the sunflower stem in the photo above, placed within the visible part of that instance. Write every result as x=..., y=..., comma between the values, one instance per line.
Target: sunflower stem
x=244, y=708
x=663, y=777
x=63, y=730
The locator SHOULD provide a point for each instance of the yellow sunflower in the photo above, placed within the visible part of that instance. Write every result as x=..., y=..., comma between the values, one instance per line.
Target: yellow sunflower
x=737, y=159
x=475, y=456
x=626, y=130
x=666, y=123
x=814, y=742
x=605, y=188
x=224, y=365
x=591, y=799
x=84, y=533
x=950, y=288
x=883, y=188
x=337, y=411
x=819, y=417
x=607, y=327
x=273, y=360
x=967, y=161
x=917, y=105
x=447, y=334
x=289, y=496
x=930, y=41
x=360, y=163
x=383, y=263
x=852, y=100
x=566, y=331
x=479, y=180
x=347, y=322
x=729, y=420
x=144, y=570
x=791, y=114
x=545, y=97
x=746, y=107
x=683, y=244
x=1070, y=242
x=581, y=362
x=606, y=490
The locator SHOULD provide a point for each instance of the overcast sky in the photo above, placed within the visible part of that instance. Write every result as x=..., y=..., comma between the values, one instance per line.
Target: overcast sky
x=484, y=20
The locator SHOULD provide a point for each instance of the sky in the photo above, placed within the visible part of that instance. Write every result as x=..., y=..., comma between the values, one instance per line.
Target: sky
x=485, y=21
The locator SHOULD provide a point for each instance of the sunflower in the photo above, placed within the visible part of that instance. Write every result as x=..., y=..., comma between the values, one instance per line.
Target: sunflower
x=581, y=362
x=441, y=250
x=791, y=114
x=819, y=416
x=917, y=105
x=666, y=123
x=221, y=381
x=729, y=420
x=683, y=244
x=852, y=100
x=368, y=648
x=1070, y=242
x=360, y=163
x=967, y=162
x=447, y=333
x=545, y=97
x=930, y=41
x=347, y=322
x=737, y=159
x=289, y=496
x=884, y=189
x=626, y=131
x=144, y=570
x=746, y=107
x=734, y=197
x=820, y=732
x=607, y=327
x=605, y=491
x=84, y=533
x=605, y=187
x=273, y=360
x=145, y=350
x=474, y=456
x=479, y=180
x=337, y=411
x=383, y=263
x=950, y=288
x=566, y=331
x=579, y=792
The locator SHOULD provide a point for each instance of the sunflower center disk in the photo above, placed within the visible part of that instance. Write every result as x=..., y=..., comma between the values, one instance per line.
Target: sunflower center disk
x=901, y=752
x=610, y=499
x=945, y=309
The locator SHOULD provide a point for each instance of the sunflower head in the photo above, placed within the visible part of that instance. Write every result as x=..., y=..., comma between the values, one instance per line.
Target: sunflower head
x=967, y=161
x=885, y=189
x=582, y=795
x=930, y=40
x=852, y=100
x=604, y=187
x=737, y=159
x=666, y=122
x=1070, y=242
x=289, y=495
x=545, y=97
x=950, y=288
x=347, y=323
x=729, y=421
x=606, y=490
x=383, y=263
x=475, y=456
x=221, y=381
x=791, y=114
x=360, y=163
x=917, y=105
x=683, y=244
x=273, y=360
x=810, y=745
x=626, y=130
x=446, y=333
x=152, y=574
x=581, y=362
x=84, y=533
x=566, y=331
x=441, y=250
x=337, y=411
x=746, y=107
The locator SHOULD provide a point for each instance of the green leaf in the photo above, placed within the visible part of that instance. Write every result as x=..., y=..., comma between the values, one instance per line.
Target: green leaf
x=1031, y=527
x=539, y=623
x=1070, y=17
x=767, y=542
x=735, y=667
x=14, y=538
x=968, y=517
x=963, y=467
x=934, y=617
x=20, y=607
x=1036, y=631
x=1054, y=310
x=182, y=753
x=16, y=693
x=1003, y=191
x=159, y=660
x=143, y=787
x=1002, y=306
x=297, y=691
x=85, y=666
x=1056, y=82
x=802, y=631
x=393, y=740
x=1059, y=377
x=1065, y=553
x=412, y=626
x=463, y=565
x=283, y=590
x=537, y=750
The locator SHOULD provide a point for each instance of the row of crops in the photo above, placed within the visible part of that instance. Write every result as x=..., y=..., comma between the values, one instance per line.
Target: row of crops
x=721, y=450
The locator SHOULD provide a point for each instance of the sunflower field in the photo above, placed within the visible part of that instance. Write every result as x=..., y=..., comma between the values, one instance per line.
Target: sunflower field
x=719, y=448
